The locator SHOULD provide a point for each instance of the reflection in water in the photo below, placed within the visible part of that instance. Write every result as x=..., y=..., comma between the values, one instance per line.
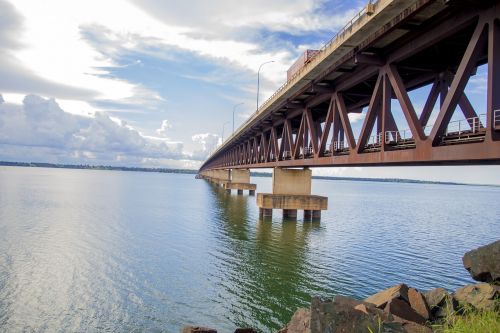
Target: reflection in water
x=261, y=280
x=87, y=251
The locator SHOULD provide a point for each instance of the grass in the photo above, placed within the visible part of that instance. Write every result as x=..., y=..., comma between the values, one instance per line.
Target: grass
x=470, y=321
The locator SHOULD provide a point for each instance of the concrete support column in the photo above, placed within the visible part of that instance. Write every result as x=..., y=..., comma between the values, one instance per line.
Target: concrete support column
x=292, y=181
x=240, y=180
x=264, y=212
x=292, y=192
x=290, y=214
x=240, y=176
x=223, y=175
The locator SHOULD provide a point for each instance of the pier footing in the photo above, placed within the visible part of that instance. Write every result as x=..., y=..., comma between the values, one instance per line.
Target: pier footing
x=312, y=205
x=240, y=187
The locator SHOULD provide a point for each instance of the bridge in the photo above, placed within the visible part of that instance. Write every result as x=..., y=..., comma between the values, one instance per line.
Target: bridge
x=390, y=49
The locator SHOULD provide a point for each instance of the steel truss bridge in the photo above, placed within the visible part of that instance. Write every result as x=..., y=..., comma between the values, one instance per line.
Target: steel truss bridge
x=389, y=49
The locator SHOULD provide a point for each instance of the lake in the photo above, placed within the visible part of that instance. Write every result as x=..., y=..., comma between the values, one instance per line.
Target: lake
x=84, y=250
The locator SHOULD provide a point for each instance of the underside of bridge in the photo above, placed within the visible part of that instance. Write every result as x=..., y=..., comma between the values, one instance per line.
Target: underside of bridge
x=390, y=50
x=409, y=45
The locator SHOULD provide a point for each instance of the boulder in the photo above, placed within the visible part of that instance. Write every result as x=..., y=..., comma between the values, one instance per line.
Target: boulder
x=483, y=263
x=198, y=329
x=418, y=303
x=344, y=314
x=380, y=299
x=245, y=330
x=299, y=322
x=440, y=302
x=481, y=296
x=401, y=309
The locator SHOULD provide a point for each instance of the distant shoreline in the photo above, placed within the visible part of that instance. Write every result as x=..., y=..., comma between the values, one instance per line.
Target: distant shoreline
x=194, y=172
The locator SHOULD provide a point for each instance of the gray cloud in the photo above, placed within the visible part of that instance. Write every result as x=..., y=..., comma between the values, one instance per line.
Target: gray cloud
x=10, y=26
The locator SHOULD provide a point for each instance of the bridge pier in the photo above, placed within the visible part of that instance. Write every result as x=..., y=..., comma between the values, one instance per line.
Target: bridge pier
x=240, y=181
x=218, y=177
x=292, y=192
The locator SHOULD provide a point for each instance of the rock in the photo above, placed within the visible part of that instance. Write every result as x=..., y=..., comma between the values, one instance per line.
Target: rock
x=411, y=327
x=480, y=296
x=403, y=310
x=440, y=302
x=344, y=314
x=198, y=329
x=418, y=303
x=299, y=322
x=380, y=299
x=435, y=297
x=483, y=263
x=245, y=330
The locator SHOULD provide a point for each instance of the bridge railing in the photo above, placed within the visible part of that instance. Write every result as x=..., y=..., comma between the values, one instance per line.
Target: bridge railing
x=338, y=38
x=496, y=118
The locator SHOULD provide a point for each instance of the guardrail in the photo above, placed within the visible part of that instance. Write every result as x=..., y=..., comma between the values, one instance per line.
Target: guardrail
x=322, y=50
x=336, y=39
x=469, y=125
x=397, y=137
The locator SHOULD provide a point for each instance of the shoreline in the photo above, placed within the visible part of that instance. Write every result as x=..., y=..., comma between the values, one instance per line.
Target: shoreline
x=253, y=174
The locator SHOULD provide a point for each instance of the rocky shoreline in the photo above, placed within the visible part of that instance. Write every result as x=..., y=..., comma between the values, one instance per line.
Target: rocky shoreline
x=399, y=308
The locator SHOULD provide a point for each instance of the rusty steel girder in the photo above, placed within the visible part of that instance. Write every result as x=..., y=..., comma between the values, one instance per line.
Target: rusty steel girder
x=437, y=46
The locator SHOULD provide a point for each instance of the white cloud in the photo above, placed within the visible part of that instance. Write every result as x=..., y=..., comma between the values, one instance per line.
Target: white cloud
x=165, y=126
x=207, y=143
x=42, y=123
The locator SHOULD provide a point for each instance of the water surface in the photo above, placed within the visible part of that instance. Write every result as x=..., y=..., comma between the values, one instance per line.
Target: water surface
x=84, y=250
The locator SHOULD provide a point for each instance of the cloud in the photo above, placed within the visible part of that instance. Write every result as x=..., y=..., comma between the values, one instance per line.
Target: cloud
x=165, y=125
x=43, y=126
x=207, y=143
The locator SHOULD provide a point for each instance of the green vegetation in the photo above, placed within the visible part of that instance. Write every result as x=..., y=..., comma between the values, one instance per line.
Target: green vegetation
x=470, y=321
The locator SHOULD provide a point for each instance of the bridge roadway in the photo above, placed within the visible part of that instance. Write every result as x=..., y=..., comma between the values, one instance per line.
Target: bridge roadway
x=389, y=49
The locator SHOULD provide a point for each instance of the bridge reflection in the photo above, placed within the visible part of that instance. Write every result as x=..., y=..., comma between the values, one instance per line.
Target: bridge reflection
x=267, y=274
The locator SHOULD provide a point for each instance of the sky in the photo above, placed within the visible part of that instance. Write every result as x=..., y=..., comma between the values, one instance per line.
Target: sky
x=154, y=83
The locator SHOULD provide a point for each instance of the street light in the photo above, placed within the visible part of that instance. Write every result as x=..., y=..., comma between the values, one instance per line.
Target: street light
x=234, y=109
x=258, y=81
x=223, y=125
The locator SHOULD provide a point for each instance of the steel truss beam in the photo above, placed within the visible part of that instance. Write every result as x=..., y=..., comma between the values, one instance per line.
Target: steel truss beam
x=319, y=132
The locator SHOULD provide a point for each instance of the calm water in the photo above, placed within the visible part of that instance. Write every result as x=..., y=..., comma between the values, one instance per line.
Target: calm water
x=112, y=251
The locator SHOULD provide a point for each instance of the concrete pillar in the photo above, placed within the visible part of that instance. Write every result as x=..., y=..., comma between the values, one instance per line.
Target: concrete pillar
x=240, y=176
x=222, y=174
x=264, y=212
x=289, y=213
x=292, y=181
x=292, y=192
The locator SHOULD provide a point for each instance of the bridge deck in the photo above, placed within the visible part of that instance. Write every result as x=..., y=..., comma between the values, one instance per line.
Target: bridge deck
x=386, y=51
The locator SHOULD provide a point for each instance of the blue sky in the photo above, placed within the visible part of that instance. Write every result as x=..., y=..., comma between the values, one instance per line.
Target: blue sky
x=151, y=83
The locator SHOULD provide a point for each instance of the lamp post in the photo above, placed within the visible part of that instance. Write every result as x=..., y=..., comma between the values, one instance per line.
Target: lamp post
x=234, y=109
x=258, y=81
x=223, y=125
